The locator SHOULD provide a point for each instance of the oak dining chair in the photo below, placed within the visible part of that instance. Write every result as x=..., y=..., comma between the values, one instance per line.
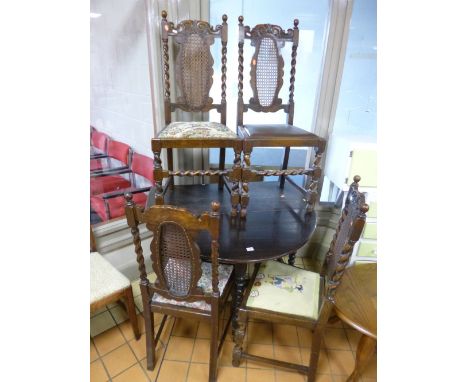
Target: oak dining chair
x=282, y=293
x=185, y=285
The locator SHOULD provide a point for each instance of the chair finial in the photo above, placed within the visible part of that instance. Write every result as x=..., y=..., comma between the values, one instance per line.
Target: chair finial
x=225, y=18
x=215, y=207
x=364, y=208
x=296, y=23
x=241, y=20
x=356, y=179
x=164, y=14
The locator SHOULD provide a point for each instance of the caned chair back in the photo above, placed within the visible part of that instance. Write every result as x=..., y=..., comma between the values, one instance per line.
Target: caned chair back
x=175, y=254
x=266, y=68
x=350, y=226
x=193, y=65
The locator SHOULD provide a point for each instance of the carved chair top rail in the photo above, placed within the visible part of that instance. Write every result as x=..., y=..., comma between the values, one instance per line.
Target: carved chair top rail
x=193, y=65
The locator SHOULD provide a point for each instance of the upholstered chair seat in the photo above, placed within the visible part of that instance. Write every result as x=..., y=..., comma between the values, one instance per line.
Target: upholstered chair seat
x=205, y=283
x=105, y=279
x=286, y=289
x=197, y=130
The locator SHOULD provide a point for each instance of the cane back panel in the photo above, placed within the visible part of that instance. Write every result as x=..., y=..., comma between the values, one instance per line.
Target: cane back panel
x=193, y=64
x=267, y=65
x=349, y=230
x=175, y=254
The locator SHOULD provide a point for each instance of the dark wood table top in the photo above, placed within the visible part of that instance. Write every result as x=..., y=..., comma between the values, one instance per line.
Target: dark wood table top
x=276, y=224
x=356, y=298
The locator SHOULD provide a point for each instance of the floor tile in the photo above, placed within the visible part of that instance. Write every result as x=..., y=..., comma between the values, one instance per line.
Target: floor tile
x=136, y=288
x=133, y=374
x=353, y=337
x=139, y=347
x=341, y=362
x=260, y=375
x=97, y=372
x=335, y=338
x=127, y=330
x=173, y=371
x=204, y=330
x=119, y=359
x=98, y=311
x=179, y=349
x=108, y=341
x=323, y=366
x=287, y=354
x=92, y=352
x=119, y=313
x=261, y=350
x=230, y=374
x=260, y=333
x=201, y=351
x=101, y=323
x=285, y=335
x=289, y=376
x=198, y=372
x=324, y=378
x=305, y=337
x=185, y=328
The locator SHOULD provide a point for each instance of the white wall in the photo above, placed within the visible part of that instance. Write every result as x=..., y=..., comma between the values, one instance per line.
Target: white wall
x=120, y=87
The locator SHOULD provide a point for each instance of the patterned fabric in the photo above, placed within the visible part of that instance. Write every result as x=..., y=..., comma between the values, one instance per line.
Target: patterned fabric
x=105, y=279
x=286, y=289
x=197, y=130
x=224, y=271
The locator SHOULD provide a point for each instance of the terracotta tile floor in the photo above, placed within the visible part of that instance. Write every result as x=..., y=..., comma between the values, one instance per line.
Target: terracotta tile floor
x=182, y=354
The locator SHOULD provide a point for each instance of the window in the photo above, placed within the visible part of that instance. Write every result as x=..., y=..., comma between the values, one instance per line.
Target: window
x=313, y=18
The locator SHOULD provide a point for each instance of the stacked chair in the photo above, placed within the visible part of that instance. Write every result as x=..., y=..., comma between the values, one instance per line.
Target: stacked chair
x=266, y=79
x=194, y=77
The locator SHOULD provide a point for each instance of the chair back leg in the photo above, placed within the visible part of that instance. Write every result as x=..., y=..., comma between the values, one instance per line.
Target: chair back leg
x=214, y=343
x=131, y=311
x=149, y=328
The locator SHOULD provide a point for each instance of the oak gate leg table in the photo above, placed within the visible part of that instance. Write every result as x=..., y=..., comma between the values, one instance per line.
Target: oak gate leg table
x=356, y=304
x=278, y=225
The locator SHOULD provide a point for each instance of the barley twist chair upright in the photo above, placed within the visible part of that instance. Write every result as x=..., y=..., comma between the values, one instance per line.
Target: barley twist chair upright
x=282, y=293
x=185, y=286
x=266, y=80
x=194, y=78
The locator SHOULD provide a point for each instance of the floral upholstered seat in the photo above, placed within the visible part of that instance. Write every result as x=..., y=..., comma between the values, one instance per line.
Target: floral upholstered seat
x=224, y=271
x=286, y=289
x=197, y=130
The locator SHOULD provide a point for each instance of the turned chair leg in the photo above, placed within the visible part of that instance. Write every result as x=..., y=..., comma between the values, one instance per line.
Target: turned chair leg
x=131, y=311
x=239, y=335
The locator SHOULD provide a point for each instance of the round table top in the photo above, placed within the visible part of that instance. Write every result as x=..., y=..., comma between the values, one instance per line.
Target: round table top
x=276, y=223
x=356, y=298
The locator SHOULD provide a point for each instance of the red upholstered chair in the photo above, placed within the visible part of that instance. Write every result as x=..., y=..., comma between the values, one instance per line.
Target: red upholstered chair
x=98, y=150
x=112, y=205
x=109, y=178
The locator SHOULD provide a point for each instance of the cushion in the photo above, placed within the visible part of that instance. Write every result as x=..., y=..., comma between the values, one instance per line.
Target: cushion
x=224, y=271
x=116, y=205
x=105, y=279
x=108, y=183
x=286, y=289
x=281, y=131
x=95, y=164
x=197, y=130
